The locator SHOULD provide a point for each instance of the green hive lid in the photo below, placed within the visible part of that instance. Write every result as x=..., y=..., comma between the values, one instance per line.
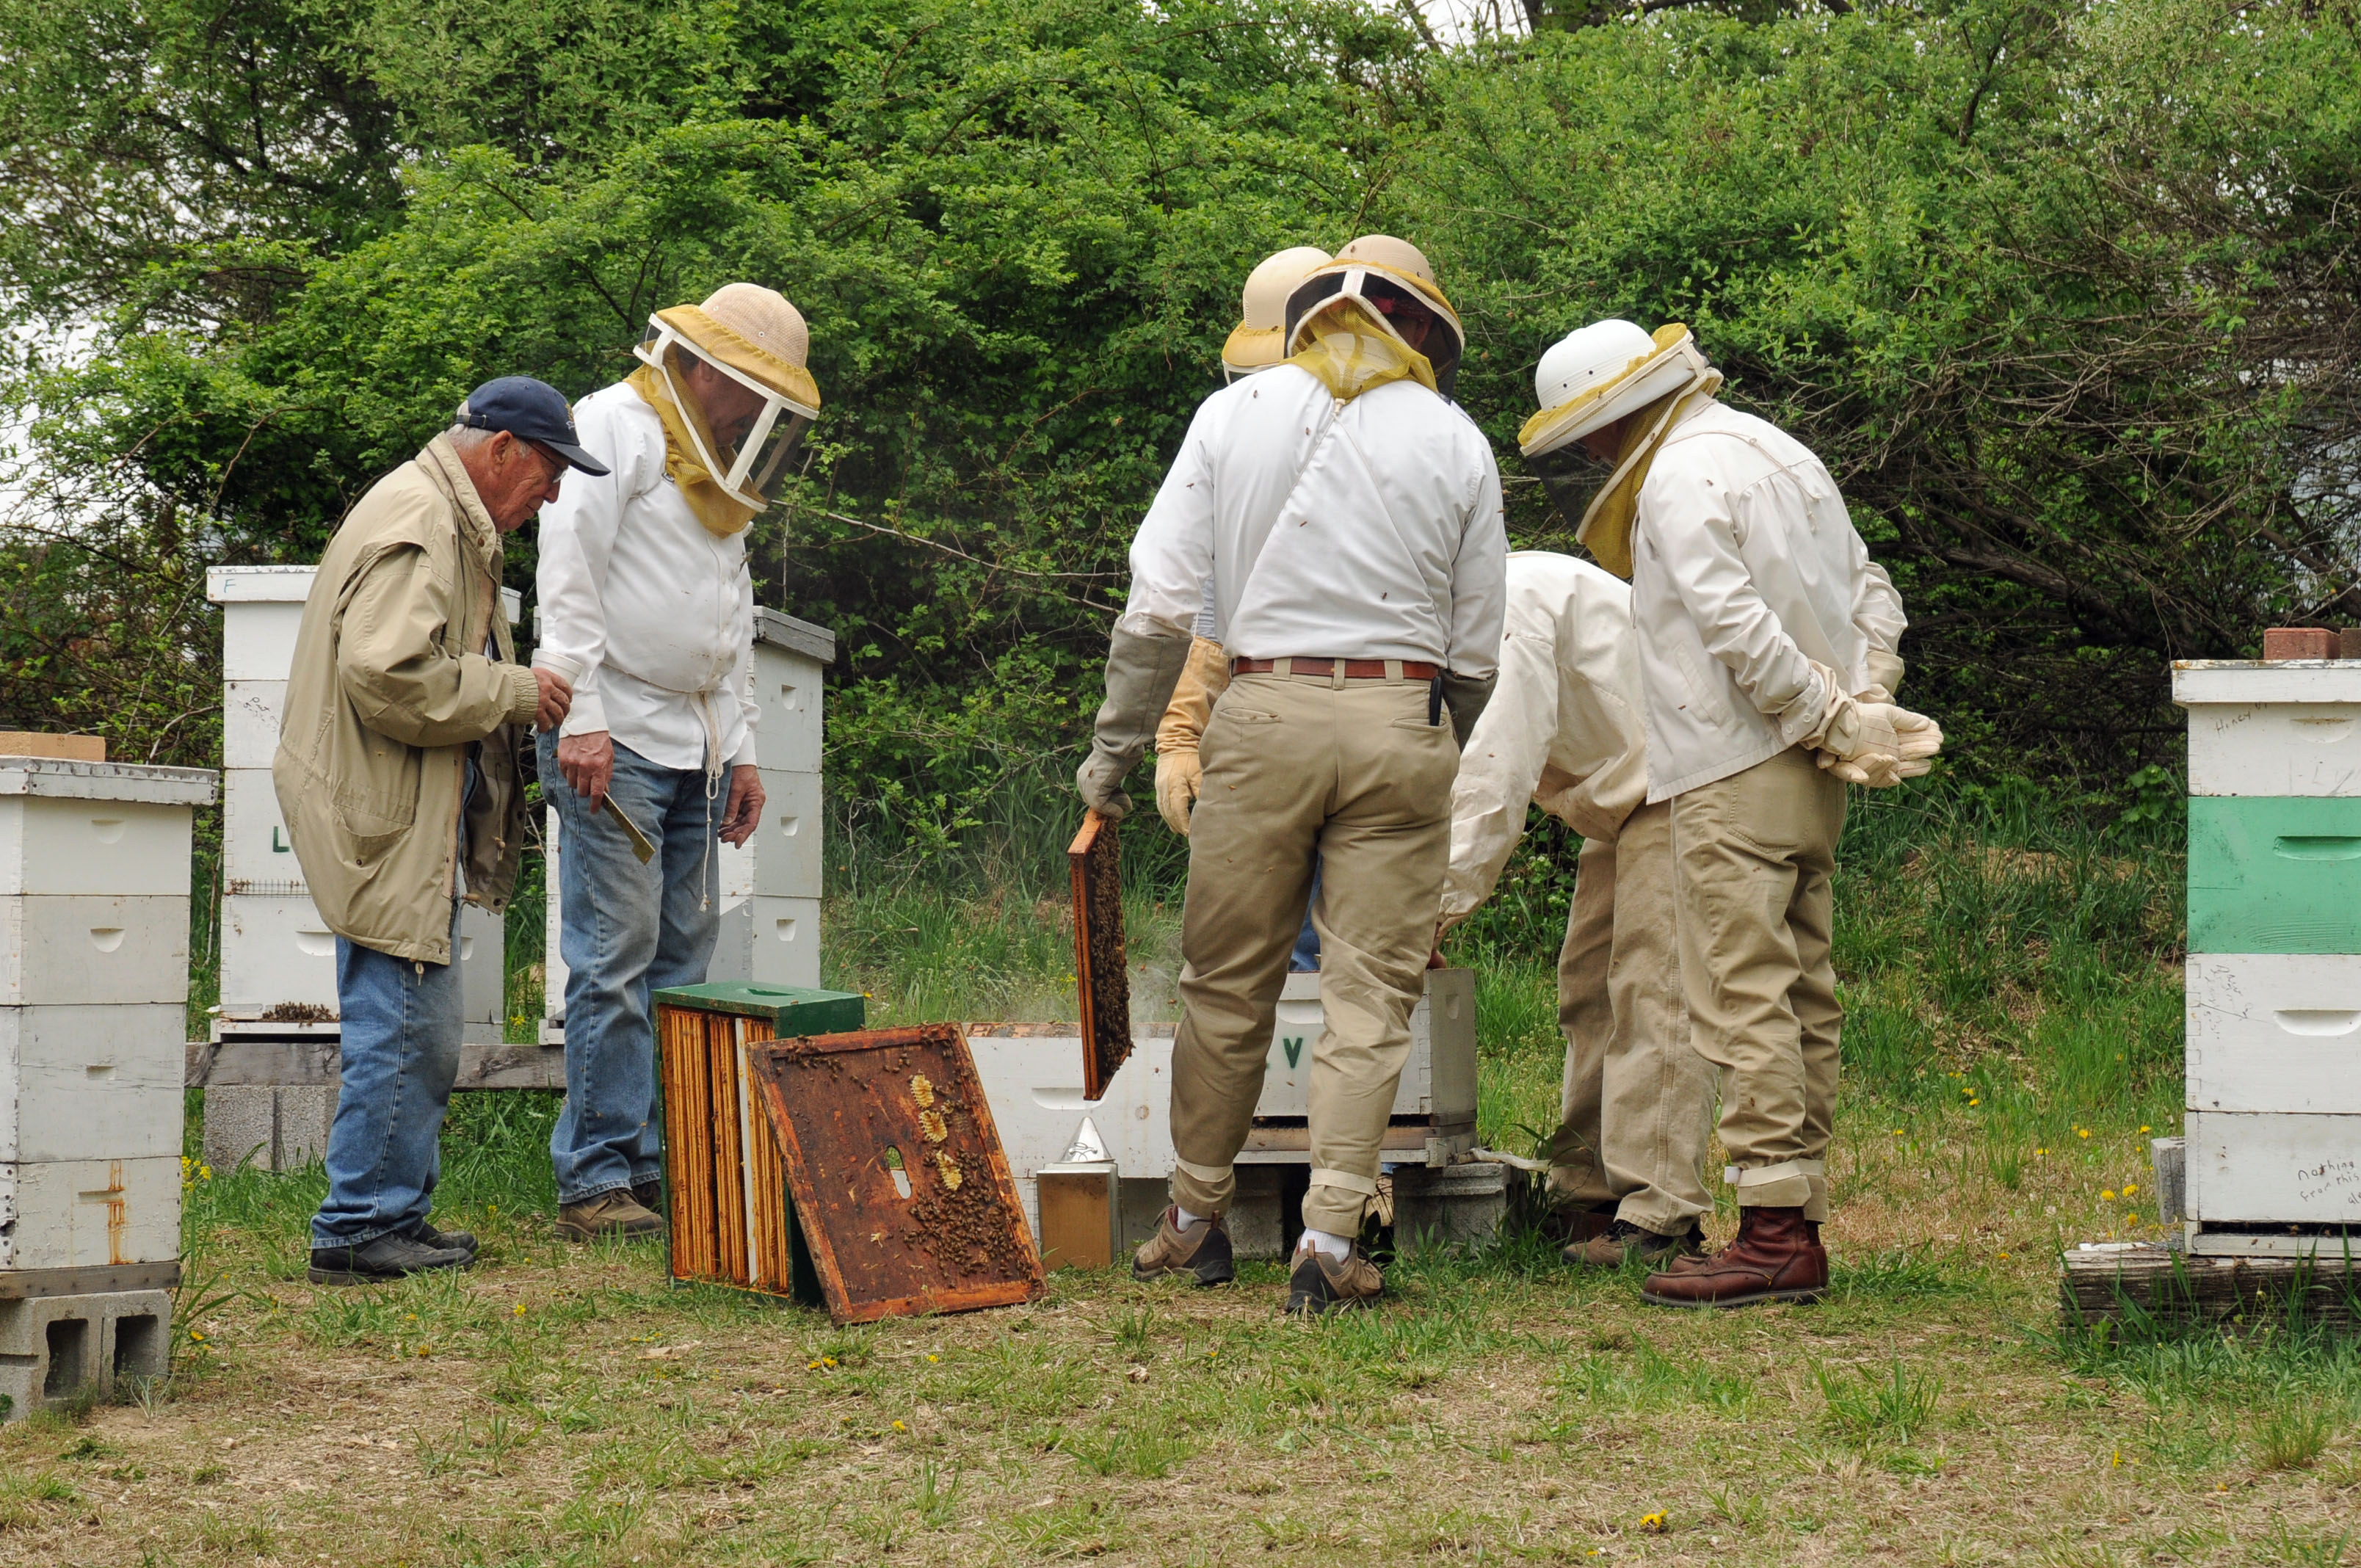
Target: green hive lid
x=792, y=1009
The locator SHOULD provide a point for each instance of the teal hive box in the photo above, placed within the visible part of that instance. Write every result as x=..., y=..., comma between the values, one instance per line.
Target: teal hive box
x=2274, y=875
x=793, y=1010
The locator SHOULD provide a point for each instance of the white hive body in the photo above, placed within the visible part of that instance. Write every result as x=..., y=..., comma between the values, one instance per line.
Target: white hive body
x=770, y=887
x=279, y=958
x=2273, y=1133
x=1032, y=1076
x=95, y=865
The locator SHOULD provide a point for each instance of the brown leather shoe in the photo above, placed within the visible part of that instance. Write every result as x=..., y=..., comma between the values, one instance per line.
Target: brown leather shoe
x=1773, y=1258
x=1321, y=1284
x=1624, y=1240
x=1201, y=1252
x=617, y=1214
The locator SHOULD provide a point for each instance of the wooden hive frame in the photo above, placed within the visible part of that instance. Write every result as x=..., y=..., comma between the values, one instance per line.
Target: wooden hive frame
x=1102, y=975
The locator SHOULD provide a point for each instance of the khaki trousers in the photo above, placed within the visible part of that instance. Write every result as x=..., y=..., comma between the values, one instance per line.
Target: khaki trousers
x=1297, y=766
x=1756, y=852
x=1638, y=1098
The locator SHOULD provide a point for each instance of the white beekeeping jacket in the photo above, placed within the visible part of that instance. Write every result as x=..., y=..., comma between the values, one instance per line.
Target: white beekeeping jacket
x=1746, y=569
x=1368, y=531
x=1564, y=729
x=649, y=615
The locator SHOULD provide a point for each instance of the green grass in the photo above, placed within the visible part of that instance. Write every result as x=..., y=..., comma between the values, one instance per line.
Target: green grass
x=2014, y=987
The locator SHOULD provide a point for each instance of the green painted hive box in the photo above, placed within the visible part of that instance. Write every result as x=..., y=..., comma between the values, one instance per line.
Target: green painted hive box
x=2274, y=875
x=793, y=1010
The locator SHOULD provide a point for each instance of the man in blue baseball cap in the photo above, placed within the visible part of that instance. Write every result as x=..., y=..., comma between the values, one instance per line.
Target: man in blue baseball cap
x=400, y=773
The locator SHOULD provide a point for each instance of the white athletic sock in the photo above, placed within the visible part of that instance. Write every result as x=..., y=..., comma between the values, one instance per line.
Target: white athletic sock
x=1186, y=1221
x=1337, y=1248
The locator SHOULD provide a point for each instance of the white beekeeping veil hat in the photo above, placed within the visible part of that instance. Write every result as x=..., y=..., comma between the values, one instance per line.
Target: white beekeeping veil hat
x=1588, y=380
x=1365, y=309
x=1258, y=341
x=730, y=380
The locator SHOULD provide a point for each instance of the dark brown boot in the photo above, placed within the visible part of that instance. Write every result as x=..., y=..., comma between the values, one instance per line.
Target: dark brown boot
x=1569, y=1224
x=1773, y=1258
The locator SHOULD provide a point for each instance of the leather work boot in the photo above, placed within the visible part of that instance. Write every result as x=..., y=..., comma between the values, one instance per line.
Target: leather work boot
x=1773, y=1258
x=1201, y=1252
x=1570, y=1225
x=445, y=1241
x=649, y=1195
x=616, y=1214
x=1320, y=1284
x=1624, y=1240
x=389, y=1257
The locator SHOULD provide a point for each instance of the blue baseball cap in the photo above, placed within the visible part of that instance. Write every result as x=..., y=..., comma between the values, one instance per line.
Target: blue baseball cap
x=530, y=411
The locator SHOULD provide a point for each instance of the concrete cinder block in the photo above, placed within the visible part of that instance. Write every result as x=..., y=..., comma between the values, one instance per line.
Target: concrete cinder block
x=1451, y=1205
x=281, y=1128
x=83, y=1213
x=241, y=1124
x=306, y=1111
x=54, y=1349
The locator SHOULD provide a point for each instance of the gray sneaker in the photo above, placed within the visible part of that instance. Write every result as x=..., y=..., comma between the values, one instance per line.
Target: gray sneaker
x=389, y=1257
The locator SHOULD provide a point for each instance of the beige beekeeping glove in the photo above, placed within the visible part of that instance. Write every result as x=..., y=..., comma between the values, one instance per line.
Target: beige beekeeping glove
x=1203, y=678
x=1884, y=676
x=1872, y=743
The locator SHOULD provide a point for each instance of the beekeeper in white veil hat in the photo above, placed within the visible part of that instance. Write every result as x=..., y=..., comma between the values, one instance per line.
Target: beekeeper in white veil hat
x=1348, y=519
x=1767, y=642
x=647, y=606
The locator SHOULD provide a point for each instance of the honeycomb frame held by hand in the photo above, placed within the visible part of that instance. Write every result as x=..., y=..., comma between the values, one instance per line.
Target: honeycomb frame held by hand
x=1102, y=975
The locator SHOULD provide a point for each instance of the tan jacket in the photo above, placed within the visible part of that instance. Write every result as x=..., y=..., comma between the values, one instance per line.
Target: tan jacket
x=390, y=686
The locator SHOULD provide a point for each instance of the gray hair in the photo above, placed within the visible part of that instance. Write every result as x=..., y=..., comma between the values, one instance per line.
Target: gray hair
x=465, y=439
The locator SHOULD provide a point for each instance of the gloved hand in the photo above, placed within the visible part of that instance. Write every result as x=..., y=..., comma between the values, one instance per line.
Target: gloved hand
x=1140, y=675
x=1884, y=676
x=1203, y=678
x=1177, y=776
x=1872, y=743
x=1466, y=696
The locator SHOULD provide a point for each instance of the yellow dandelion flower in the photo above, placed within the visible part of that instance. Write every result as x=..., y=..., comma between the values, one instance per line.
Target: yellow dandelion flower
x=2081, y=1132
x=2106, y=1195
x=519, y=1309
x=1897, y=1132
x=934, y=1358
x=2003, y=1257
x=2147, y=1129
x=899, y=1427
x=2129, y=1188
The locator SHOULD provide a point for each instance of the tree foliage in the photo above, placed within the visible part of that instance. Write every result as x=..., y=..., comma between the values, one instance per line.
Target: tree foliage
x=2065, y=292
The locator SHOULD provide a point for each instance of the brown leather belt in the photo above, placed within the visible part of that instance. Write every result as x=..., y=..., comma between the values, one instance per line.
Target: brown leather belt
x=1355, y=669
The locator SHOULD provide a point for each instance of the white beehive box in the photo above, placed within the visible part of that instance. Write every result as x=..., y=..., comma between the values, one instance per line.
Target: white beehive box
x=1438, y=1081
x=278, y=956
x=2273, y=1126
x=771, y=887
x=94, y=980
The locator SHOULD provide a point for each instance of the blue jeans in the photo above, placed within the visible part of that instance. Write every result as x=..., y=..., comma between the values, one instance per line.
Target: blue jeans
x=401, y=1038
x=627, y=929
x=1305, y=959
